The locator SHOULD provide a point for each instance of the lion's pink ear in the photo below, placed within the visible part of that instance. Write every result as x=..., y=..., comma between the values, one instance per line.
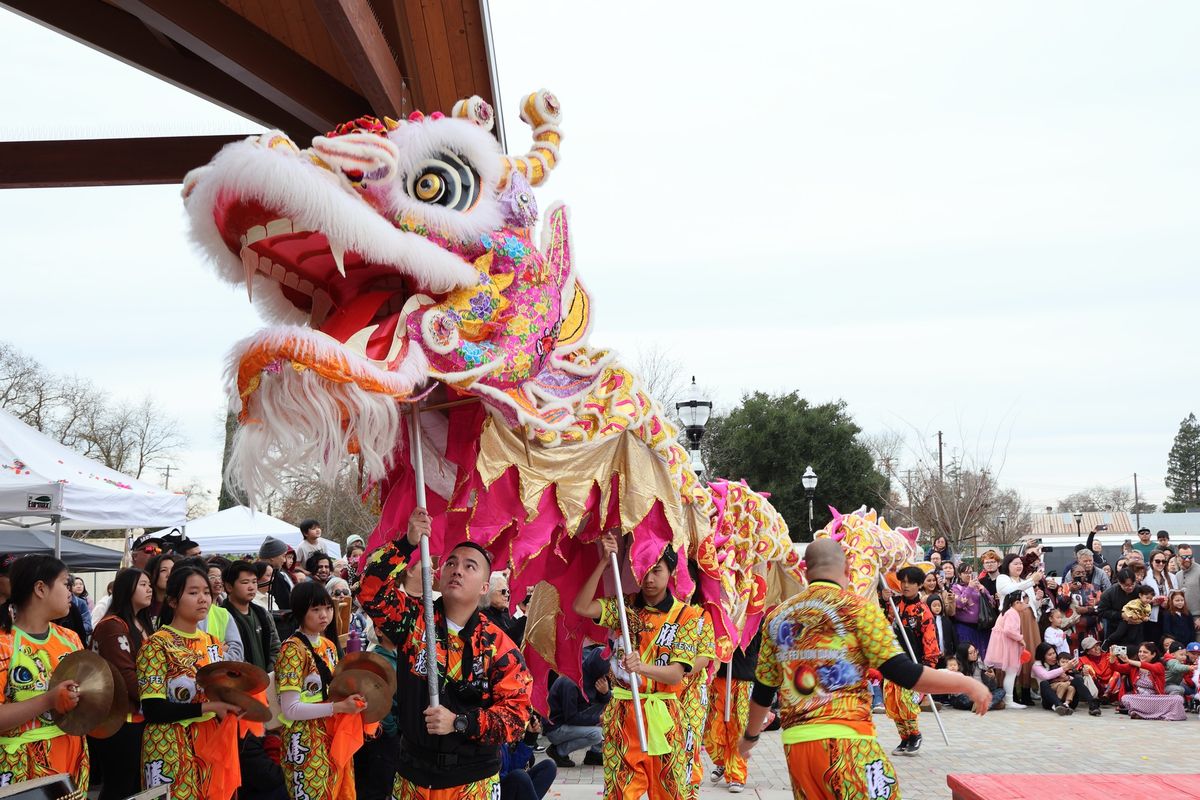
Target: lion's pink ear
x=909, y=533
x=835, y=526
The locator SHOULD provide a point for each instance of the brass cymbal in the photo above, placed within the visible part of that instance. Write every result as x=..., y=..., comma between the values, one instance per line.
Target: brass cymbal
x=120, y=707
x=95, y=681
x=252, y=708
x=373, y=689
x=232, y=674
x=369, y=662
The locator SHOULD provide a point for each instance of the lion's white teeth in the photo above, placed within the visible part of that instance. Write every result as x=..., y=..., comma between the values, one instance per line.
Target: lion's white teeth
x=250, y=264
x=358, y=342
x=338, y=250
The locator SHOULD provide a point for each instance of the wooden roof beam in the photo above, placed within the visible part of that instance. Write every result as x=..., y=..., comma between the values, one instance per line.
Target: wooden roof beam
x=123, y=37
x=367, y=52
x=253, y=57
x=105, y=162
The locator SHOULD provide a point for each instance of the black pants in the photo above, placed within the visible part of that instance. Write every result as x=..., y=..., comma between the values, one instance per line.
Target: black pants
x=1129, y=635
x=530, y=784
x=121, y=758
x=1050, y=697
x=375, y=767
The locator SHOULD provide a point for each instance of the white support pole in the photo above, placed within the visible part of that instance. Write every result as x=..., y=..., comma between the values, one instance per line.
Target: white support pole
x=633, y=679
x=418, y=465
x=57, y=536
x=912, y=654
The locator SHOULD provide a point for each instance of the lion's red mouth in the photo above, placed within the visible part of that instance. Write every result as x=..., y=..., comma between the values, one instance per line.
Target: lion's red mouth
x=360, y=304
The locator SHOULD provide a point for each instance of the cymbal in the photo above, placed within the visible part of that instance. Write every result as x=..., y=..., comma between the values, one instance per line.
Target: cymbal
x=252, y=708
x=373, y=688
x=120, y=707
x=95, y=681
x=369, y=662
x=232, y=674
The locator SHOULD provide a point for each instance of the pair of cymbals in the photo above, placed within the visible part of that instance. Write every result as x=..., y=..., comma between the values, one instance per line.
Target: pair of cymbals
x=103, y=702
x=236, y=683
x=369, y=675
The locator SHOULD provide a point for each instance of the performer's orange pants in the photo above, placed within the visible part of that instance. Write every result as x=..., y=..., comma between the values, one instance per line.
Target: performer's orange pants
x=901, y=706
x=486, y=789
x=721, y=738
x=841, y=769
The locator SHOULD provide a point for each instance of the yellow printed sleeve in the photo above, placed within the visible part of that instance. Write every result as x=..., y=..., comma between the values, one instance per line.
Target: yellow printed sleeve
x=610, y=616
x=687, y=638
x=707, y=647
x=769, y=672
x=152, y=670
x=290, y=667
x=6, y=642
x=876, y=640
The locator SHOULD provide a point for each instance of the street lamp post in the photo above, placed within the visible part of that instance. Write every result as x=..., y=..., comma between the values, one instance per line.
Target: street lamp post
x=1078, y=521
x=694, y=411
x=809, y=481
x=1003, y=528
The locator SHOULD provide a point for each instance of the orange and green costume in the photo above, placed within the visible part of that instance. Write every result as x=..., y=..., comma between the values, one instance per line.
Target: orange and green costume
x=37, y=748
x=721, y=738
x=696, y=699
x=903, y=705
x=198, y=757
x=313, y=767
x=816, y=650
x=663, y=634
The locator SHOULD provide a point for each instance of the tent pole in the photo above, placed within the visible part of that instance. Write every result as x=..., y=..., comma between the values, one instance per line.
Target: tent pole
x=57, y=536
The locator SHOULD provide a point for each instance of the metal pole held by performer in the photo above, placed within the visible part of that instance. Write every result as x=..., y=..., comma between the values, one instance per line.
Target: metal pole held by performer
x=633, y=679
x=418, y=465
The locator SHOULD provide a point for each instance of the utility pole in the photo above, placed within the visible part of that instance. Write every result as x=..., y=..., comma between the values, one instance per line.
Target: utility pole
x=1137, y=503
x=941, y=463
x=167, y=477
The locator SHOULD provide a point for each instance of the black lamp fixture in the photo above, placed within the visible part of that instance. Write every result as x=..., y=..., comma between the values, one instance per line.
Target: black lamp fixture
x=1078, y=522
x=809, y=481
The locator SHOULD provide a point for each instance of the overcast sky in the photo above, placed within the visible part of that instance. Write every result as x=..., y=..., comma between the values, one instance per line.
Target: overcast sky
x=978, y=219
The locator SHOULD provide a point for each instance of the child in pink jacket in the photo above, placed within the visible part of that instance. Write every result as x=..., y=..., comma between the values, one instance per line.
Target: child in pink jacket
x=1006, y=644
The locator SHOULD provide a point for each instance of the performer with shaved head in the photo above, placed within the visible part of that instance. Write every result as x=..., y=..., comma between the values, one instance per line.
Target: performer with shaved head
x=816, y=649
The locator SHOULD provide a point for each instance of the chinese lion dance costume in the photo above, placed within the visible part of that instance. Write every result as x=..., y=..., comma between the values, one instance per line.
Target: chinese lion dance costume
x=398, y=264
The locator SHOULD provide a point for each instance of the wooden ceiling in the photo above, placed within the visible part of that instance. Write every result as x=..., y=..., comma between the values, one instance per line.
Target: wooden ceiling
x=302, y=66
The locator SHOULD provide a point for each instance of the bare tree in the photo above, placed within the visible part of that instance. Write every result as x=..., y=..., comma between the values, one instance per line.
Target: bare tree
x=1098, y=498
x=341, y=508
x=661, y=375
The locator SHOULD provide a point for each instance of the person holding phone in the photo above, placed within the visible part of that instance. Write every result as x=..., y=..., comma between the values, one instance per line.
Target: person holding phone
x=1149, y=698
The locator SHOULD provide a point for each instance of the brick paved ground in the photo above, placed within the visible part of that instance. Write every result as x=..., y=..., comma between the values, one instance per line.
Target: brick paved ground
x=1004, y=741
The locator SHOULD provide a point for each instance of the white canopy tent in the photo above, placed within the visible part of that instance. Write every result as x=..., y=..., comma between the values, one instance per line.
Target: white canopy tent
x=241, y=530
x=44, y=484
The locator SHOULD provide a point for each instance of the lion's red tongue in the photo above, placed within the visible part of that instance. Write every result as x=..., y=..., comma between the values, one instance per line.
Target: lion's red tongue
x=360, y=313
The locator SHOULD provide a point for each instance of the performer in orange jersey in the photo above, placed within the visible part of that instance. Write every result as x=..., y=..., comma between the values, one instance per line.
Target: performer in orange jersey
x=664, y=634
x=722, y=739
x=31, y=745
x=816, y=650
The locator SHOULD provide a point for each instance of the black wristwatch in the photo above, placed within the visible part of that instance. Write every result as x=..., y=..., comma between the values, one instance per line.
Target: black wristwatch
x=460, y=723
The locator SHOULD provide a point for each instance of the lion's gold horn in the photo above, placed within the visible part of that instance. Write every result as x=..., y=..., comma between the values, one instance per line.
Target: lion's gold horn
x=541, y=112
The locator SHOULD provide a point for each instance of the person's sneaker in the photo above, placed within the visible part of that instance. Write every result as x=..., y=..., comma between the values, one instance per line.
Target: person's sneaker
x=879, y=710
x=558, y=759
x=901, y=748
x=999, y=706
x=1094, y=709
x=914, y=744
x=1016, y=705
x=737, y=788
x=1062, y=710
x=717, y=774
x=591, y=759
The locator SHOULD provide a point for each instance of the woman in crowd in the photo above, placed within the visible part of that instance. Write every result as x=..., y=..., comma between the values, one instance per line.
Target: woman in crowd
x=1012, y=579
x=1163, y=584
x=1149, y=699
x=295, y=571
x=355, y=548
x=313, y=767
x=30, y=644
x=1006, y=644
x=941, y=546
x=79, y=589
x=971, y=664
x=187, y=741
x=359, y=620
x=159, y=569
x=949, y=573
x=1062, y=687
x=216, y=566
x=968, y=594
x=118, y=639
x=266, y=575
x=1177, y=619
x=943, y=628
x=933, y=587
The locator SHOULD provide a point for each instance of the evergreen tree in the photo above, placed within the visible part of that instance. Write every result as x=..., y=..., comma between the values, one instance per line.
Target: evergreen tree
x=1183, y=467
x=769, y=440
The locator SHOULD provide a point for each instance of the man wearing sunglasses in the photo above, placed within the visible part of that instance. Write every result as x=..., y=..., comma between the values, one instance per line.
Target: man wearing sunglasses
x=1189, y=580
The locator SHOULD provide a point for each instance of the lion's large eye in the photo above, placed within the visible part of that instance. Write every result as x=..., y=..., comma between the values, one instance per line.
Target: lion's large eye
x=445, y=180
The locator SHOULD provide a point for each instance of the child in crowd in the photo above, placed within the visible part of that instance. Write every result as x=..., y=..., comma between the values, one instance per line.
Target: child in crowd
x=1051, y=625
x=1177, y=619
x=1006, y=643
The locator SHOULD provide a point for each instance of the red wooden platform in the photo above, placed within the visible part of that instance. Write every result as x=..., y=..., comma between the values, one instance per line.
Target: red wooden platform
x=1071, y=786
